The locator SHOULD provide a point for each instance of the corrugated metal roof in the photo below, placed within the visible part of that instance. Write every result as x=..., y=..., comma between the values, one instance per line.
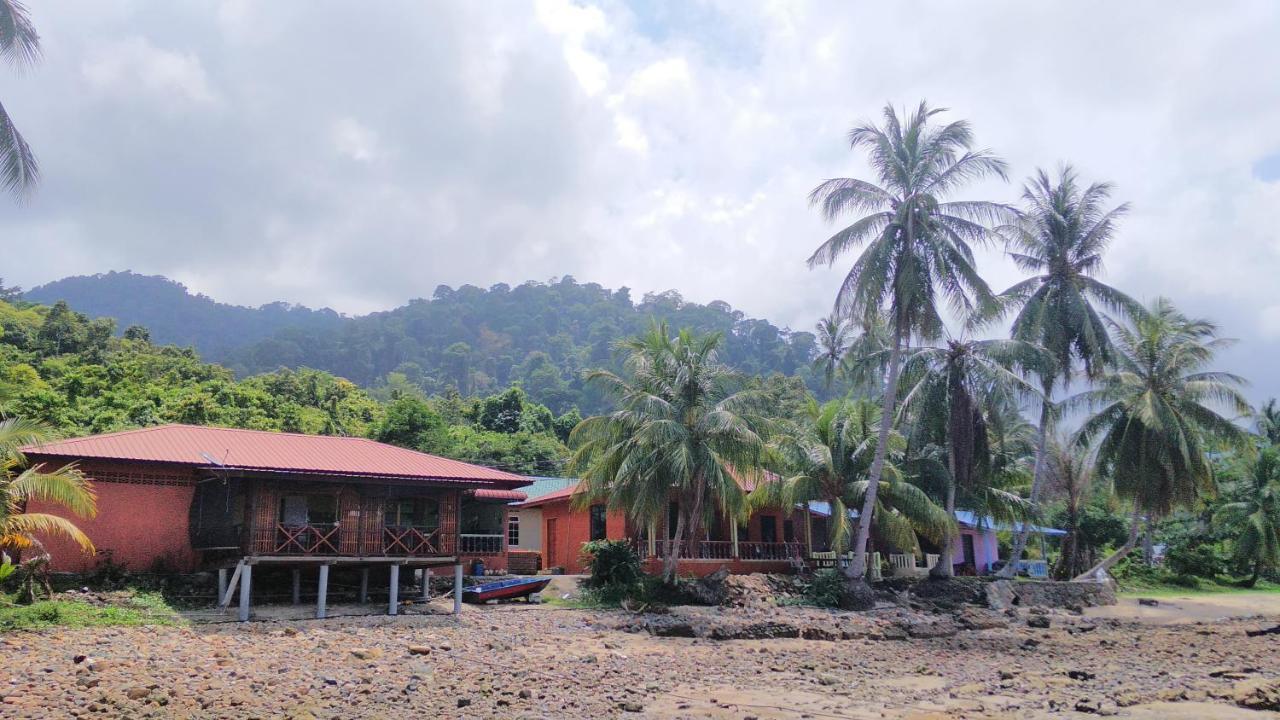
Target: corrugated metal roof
x=270, y=452
x=545, y=485
x=552, y=496
x=495, y=494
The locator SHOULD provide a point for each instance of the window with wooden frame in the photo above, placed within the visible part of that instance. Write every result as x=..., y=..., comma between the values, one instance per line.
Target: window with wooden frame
x=599, y=525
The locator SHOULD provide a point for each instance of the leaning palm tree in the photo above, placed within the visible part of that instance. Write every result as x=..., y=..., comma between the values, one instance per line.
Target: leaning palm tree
x=917, y=245
x=833, y=342
x=1155, y=422
x=20, y=46
x=20, y=484
x=1060, y=237
x=682, y=429
x=1254, y=519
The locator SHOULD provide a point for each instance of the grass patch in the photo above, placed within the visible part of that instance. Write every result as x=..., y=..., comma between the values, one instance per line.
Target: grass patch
x=1219, y=586
x=141, y=609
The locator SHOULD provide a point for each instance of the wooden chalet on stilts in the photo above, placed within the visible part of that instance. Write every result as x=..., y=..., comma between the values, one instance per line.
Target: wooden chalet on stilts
x=187, y=498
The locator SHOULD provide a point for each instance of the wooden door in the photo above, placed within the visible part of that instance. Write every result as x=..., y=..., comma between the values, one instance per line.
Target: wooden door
x=552, y=541
x=970, y=557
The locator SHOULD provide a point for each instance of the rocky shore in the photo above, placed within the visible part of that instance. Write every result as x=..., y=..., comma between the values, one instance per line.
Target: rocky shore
x=739, y=662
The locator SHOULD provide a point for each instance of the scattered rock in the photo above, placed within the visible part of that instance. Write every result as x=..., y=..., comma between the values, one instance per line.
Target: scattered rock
x=419, y=649
x=1038, y=621
x=137, y=692
x=367, y=653
x=1149, y=602
x=1258, y=694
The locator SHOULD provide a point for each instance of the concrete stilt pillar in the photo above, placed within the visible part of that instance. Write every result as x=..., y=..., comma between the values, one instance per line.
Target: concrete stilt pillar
x=246, y=579
x=426, y=584
x=222, y=584
x=322, y=592
x=364, y=585
x=457, y=589
x=297, y=586
x=393, y=602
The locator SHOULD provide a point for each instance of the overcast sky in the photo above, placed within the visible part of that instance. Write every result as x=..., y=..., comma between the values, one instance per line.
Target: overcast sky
x=355, y=155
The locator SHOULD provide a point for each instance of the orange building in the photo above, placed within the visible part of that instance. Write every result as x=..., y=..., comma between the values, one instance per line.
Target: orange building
x=770, y=541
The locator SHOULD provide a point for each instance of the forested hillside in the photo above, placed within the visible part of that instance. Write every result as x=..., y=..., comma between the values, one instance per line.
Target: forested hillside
x=174, y=315
x=477, y=341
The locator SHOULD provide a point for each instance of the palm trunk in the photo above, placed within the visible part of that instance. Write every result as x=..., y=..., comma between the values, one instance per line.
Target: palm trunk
x=1037, y=485
x=946, y=566
x=1069, y=564
x=858, y=567
x=1094, y=572
x=671, y=563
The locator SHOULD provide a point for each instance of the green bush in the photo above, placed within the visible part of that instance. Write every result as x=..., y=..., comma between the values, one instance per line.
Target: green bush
x=1199, y=560
x=616, y=571
x=825, y=589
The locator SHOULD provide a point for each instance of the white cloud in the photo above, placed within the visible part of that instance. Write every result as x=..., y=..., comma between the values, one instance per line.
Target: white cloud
x=355, y=141
x=134, y=65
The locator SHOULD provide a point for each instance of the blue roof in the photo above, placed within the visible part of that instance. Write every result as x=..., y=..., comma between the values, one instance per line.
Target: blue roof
x=964, y=517
x=545, y=486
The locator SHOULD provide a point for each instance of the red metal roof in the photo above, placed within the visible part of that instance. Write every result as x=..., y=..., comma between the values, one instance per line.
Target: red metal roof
x=270, y=452
x=495, y=494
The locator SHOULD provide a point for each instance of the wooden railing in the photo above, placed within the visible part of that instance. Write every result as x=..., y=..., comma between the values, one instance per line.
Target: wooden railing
x=333, y=539
x=723, y=550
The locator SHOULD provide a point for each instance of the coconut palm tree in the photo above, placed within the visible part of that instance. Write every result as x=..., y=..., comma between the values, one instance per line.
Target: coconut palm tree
x=682, y=429
x=20, y=484
x=1069, y=474
x=1060, y=238
x=1155, y=421
x=827, y=458
x=1268, y=422
x=20, y=46
x=951, y=391
x=833, y=342
x=1254, y=519
x=917, y=244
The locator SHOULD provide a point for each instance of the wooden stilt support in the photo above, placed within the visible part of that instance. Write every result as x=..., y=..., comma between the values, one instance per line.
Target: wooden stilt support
x=225, y=600
x=393, y=591
x=322, y=592
x=457, y=589
x=297, y=586
x=246, y=582
x=222, y=584
x=364, y=585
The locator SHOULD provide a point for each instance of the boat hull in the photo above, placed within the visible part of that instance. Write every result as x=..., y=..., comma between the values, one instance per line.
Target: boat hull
x=505, y=590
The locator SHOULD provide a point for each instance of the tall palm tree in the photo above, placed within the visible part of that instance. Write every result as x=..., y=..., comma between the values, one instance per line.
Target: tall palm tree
x=19, y=485
x=951, y=391
x=833, y=342
x=1254, y=519
x=827, y=459
x=1060, y=238
x=918, y=245
x=682, y=429
x=1155, y=421
x=20, y=46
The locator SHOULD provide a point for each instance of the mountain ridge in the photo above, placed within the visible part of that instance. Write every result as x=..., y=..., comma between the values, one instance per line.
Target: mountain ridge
x=540, y=334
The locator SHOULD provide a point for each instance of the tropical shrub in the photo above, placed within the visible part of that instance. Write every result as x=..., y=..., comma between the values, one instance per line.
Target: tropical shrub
x=615, y=569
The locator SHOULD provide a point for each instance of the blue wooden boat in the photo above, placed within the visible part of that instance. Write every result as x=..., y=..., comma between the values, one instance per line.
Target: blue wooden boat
x=504, y=589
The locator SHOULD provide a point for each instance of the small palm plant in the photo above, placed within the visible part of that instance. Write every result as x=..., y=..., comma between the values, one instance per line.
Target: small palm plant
x=1254, y=519
x=20, y=484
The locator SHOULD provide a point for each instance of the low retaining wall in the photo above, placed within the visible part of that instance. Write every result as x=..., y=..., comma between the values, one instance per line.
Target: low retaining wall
x=1048, y=593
